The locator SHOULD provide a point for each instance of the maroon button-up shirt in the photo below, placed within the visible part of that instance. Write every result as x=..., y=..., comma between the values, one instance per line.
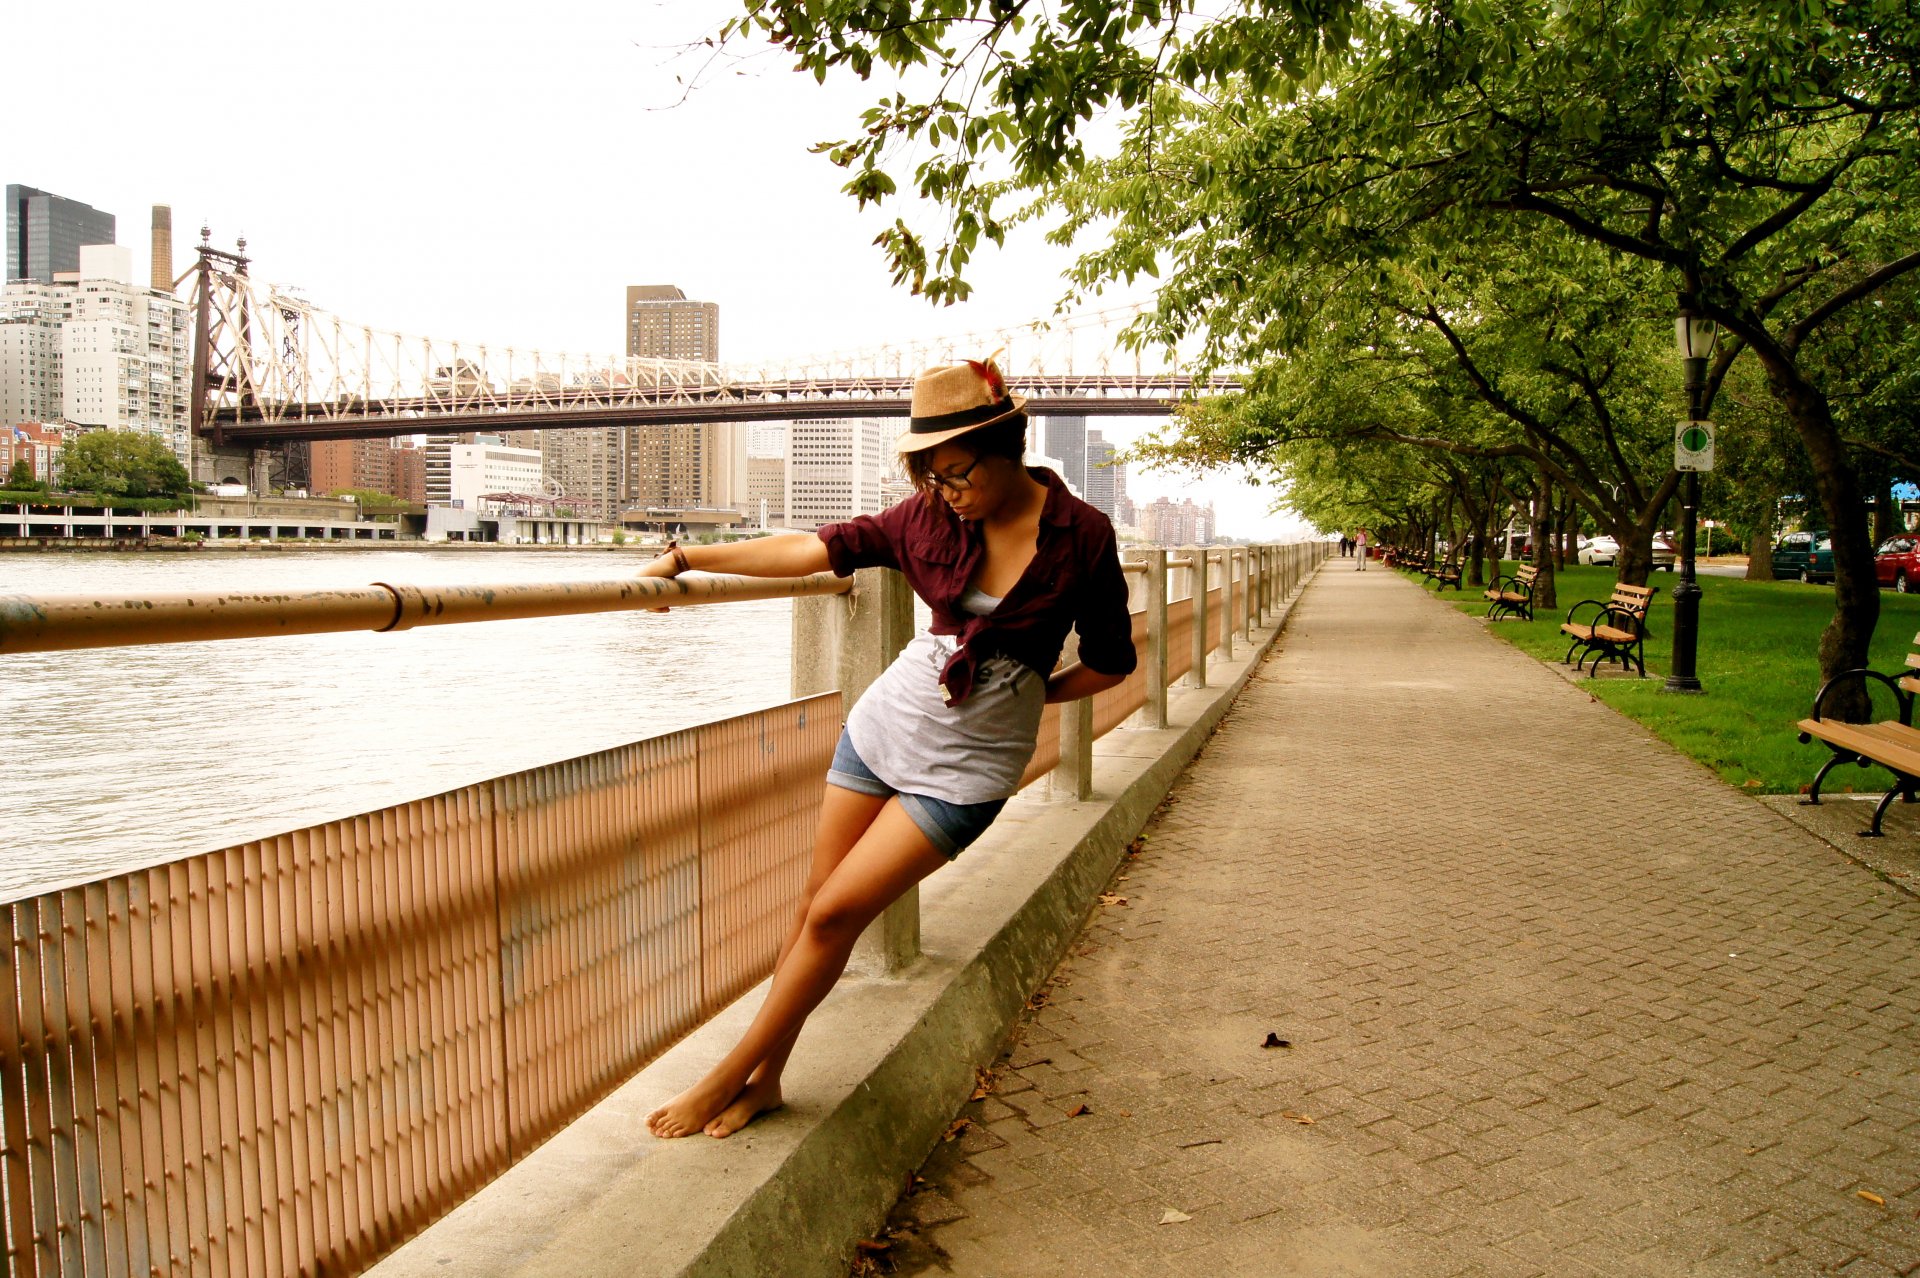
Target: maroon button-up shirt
x=1074, y=582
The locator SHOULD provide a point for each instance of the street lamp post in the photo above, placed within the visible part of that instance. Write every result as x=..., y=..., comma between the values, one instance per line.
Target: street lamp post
x=1695, y=335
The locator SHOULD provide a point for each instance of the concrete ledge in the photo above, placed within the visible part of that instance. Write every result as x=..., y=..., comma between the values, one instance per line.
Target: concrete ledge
x=881, y=1070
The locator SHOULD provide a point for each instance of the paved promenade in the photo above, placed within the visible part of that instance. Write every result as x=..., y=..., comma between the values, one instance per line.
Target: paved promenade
x=1554, y=1001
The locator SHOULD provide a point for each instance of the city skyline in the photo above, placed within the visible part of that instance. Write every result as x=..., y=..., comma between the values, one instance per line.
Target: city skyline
x=759, y=226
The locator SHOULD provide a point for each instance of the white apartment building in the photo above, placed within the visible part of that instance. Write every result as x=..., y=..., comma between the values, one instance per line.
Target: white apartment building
x=836, y=469
x=124, y=353
x=31, y=314
x=476, y=470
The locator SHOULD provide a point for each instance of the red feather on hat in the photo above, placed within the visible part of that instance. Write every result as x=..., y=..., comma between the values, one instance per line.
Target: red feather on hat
x=991, y=376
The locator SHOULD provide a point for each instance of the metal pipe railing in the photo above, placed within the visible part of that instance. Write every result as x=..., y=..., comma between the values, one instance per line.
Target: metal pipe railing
x=54, y=623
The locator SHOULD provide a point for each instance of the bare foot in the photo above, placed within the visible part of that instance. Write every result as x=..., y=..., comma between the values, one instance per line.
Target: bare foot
x=755, y=1099
x=691, y=1110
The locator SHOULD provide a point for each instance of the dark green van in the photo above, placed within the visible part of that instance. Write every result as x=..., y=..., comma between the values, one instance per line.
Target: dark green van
x=1806, y=555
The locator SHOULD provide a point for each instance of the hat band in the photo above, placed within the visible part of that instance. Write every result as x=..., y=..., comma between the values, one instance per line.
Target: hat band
x=965, y=417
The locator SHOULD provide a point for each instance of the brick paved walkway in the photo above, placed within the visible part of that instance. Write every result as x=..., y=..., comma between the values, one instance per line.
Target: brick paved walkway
x=1519, y=1045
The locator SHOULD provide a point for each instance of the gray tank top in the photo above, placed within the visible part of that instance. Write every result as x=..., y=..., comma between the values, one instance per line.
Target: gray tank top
x=973, y=752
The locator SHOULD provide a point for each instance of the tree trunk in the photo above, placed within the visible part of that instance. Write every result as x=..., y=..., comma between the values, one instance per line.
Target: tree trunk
x=1856, y=595
x=1541, y=512
x=1760, y=556
x=1886, y=521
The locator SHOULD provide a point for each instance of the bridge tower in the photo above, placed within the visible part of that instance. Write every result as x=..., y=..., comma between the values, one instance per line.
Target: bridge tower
x=223, y=373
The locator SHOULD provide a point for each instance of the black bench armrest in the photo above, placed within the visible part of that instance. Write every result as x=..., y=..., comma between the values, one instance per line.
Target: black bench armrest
x=1601, y=616
x=1901, y=696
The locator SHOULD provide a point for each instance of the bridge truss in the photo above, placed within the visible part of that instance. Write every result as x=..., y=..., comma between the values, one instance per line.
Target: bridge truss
x=271, y=368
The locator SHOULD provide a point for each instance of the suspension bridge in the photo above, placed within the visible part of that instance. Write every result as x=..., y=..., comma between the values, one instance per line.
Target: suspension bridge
x=270, y=368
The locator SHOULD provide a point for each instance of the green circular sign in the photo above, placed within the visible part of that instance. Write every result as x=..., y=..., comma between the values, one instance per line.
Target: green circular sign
x=1695, y=439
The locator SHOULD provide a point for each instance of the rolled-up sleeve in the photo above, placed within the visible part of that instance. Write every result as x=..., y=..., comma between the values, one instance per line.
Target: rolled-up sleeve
x=866, y=541
x=1101, y=618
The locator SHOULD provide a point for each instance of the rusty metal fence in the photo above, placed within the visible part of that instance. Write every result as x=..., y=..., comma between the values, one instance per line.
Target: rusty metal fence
x=287, y=1056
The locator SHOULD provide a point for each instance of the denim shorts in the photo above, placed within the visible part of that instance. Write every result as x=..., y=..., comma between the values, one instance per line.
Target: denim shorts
x=948, y=826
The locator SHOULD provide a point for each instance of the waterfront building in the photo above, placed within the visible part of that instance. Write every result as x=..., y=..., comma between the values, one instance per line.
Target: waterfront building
x=1186, y=524
x=1038, y=459
x=437, y=467
x=488, y=468
x=1065, y=438
x=45, y=233
x=410, y=473
x=124, y=353
x=767, y=491
x=38, y=444
x=836, y=469
x=586, y=464
x=370, y=464
x=31, y=314
x=160, y=263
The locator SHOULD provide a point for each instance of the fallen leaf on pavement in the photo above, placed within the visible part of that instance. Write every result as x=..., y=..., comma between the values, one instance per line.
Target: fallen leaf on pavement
x=1173, y=1217
x=1110, y=898
x=1274, y=1040
x=1871, y=1197
x=1754, y=784
x=957, y=1126
x=874, y=1244
x=1195, y=1144
x=1292, y=1117
x=1044, y=1060
x=1078, y=1110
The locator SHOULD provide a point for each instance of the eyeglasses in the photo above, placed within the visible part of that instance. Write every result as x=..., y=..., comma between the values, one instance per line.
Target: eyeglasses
x=959, y=482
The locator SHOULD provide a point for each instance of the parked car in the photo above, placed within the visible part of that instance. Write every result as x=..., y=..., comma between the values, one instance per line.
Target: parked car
x=1897, y=564
x=1806, y=555
x=1664, y=553
x=1601, y=550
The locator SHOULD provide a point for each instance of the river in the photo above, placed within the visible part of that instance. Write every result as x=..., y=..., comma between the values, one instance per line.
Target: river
x=123, y=757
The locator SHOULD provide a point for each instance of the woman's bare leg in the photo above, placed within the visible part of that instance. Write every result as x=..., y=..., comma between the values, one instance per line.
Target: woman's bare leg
x=844, y=817
x=890, y=857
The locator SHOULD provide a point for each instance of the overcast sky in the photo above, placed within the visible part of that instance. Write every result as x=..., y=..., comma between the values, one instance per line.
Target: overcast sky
x=500, y=175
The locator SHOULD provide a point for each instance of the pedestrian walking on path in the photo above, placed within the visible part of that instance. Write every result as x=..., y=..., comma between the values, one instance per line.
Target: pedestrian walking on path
x=1623, y=1020
x=1360, y=549
x=1008, y=560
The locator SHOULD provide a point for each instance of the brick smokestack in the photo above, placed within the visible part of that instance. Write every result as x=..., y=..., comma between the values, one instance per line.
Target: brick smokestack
x=163, y=248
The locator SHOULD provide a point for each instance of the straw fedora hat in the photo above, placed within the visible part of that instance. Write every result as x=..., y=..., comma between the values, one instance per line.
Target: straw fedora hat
x=948, y=402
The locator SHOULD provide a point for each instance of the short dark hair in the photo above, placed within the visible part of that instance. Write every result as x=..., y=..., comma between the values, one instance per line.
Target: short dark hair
x=1004, y=438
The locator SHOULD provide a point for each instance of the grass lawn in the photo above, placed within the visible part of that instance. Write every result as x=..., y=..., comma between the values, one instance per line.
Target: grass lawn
x=1756, y=661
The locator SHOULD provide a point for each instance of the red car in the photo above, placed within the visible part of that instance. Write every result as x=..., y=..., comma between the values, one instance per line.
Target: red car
x=1897, y=564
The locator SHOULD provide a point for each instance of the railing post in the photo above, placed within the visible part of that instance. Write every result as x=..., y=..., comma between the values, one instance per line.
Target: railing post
x=1197, y=574
x=1226, y=603
x=1246, y=614
x=1073, y=779
x=844, y=642
x=1155, y=710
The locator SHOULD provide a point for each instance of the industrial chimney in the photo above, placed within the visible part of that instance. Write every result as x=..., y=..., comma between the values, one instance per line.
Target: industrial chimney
x=163, y=248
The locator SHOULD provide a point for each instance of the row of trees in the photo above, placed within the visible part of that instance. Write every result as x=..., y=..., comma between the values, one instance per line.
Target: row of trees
x=1447, y=237
x=112, y=463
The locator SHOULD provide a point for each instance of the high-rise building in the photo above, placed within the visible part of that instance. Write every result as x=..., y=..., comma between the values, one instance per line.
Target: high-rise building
x=586, y=463
x=93, y=349
x=31, y=315
x=1186, y=524
x=45, y=233
x=160, y=272
x=663, y=323
x=767, y=491
x=837, y=468
x=370, y=464
x=688, y=466
x=1065, y=438
x=1104, y=474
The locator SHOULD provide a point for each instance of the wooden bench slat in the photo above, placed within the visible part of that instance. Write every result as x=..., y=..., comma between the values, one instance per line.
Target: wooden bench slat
x=1893, y=744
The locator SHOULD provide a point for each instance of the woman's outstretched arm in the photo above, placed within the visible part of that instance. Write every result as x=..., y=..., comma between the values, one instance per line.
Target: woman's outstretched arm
x=1077, y=681
x=783, y=555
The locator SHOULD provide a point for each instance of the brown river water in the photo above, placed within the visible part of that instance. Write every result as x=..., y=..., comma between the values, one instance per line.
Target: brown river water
x=117, y=758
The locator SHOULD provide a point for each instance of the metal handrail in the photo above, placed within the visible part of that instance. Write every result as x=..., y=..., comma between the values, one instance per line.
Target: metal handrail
x=56, y=623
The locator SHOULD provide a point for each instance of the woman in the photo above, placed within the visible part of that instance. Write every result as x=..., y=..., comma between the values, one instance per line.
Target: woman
x=1008, y=560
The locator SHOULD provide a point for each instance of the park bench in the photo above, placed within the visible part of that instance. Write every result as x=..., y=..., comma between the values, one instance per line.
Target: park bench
x=1616, y=631
x=1894, y=743
x=1447, y=574
x=1511, y=596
